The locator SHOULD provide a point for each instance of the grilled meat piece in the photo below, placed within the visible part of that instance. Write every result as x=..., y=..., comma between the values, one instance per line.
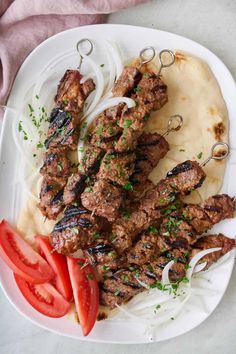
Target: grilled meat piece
x=219, y=207
x=56, y=165
x=212, y=241
x=144, y=250
x=128, y=140
x=71, y=94
x=103, y=199
x=117, y=167
x=125, y=230
x=63, y=132
x=153, y=147
x=77, y=182
x=76, y=230
x=51, y=201
x=107, y=128
x=74, y=187
x=151, y=95
x=128, y=79
x=139, y=189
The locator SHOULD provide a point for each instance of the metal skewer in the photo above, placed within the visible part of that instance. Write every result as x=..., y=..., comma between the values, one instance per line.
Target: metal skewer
x=84, y=52
x=171, y=127
x=162, y=62
x=213, y=157
x=146, y=55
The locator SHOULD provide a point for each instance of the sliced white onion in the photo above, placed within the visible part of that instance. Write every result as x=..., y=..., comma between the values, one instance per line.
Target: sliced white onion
x=112, y=47
x=144, y=285
x=196, y=259
x=199, y=267
x=111, y=102
x=165, y=273
x=112, y=71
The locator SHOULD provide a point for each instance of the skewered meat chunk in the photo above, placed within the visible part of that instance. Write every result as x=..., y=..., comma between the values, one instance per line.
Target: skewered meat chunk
x=77, y=181
x=128, y=140
x=179, y=181
x=212, y=241
x=107, y=128
x=63, y=132
x=219, y=207
x=71, y=94
x=56, y=165
x=117, y=167
x=103, y=199
x=74, y=187
x=127, y=81
x=91, y=160
x=51, y=201
x=153, y=147
x=75, y=230
x=151, y=94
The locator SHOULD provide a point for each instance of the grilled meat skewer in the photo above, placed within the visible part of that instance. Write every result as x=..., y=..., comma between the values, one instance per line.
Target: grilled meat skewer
x=123, y=285
x=63, y=134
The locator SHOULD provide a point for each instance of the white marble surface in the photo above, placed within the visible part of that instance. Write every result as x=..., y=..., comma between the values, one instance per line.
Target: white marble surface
x=213, y=24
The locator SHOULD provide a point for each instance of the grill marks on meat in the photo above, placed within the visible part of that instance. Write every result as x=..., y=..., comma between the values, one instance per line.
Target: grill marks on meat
x=63, y=135
x=103, y=199
x=71, y=94
x=76, y=183
x=75, y=230
x=219, y=207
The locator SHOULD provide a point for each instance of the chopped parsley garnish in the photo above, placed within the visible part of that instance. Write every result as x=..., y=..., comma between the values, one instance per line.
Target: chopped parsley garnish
x=125, y=278
x=89, y=190
x=30, y=108
x=99, y=130
x=125, y=213
x=21, y=130
x=199, y=156
x=153, y=229
x=146, y=117
x=39, y=145
x=111, y=254
x=128, y=186
x=158, y=307
x=168, y=210
x=172, y=318
x=181, y=150
x=102, y=65
x=65, y=102
x=37, y=97
x=96, y=235
x=112, y=237
x=90, y=276
x=117, y=292
x=105, y=268
x=137, y=88
x=127, y=123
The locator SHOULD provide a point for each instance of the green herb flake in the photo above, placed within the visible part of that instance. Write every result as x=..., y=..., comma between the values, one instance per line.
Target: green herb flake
x=96, y=235
x=105, y=268
x=90, y=276
x=158, y=307
x=99, y=129
x=117, y=292
x=39, y=145
x=146, y=117
x=128, y=186
x=181, y=150
x=199, y=156
x=172, y=318
x=137, y=88
x=127, y=123
x=37, y=97
x=89, y=190
x=102, y=65
x=153, y=229
x=30, y=108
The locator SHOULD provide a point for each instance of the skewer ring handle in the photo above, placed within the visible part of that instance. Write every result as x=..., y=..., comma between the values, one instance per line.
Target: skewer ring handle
x=146, y=55
x=172, y=127
x=163, y=63
x=84, y=52
x=221, y=157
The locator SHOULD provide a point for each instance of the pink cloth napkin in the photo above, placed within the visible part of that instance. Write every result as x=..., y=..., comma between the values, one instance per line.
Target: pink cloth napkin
x=26, y=23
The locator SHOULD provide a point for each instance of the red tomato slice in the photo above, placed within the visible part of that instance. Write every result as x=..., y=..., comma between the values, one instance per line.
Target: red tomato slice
x=43, y=298
x=21, y=257
x=59, y=265
x=86, y=292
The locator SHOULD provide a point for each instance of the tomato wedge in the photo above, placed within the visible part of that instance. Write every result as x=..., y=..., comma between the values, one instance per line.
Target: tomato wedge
x=59, y=265
x=21, y=257
x=86, y=292
x=43, y=298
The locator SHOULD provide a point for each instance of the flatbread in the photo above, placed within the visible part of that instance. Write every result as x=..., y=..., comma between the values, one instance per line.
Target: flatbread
x=193, y=93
